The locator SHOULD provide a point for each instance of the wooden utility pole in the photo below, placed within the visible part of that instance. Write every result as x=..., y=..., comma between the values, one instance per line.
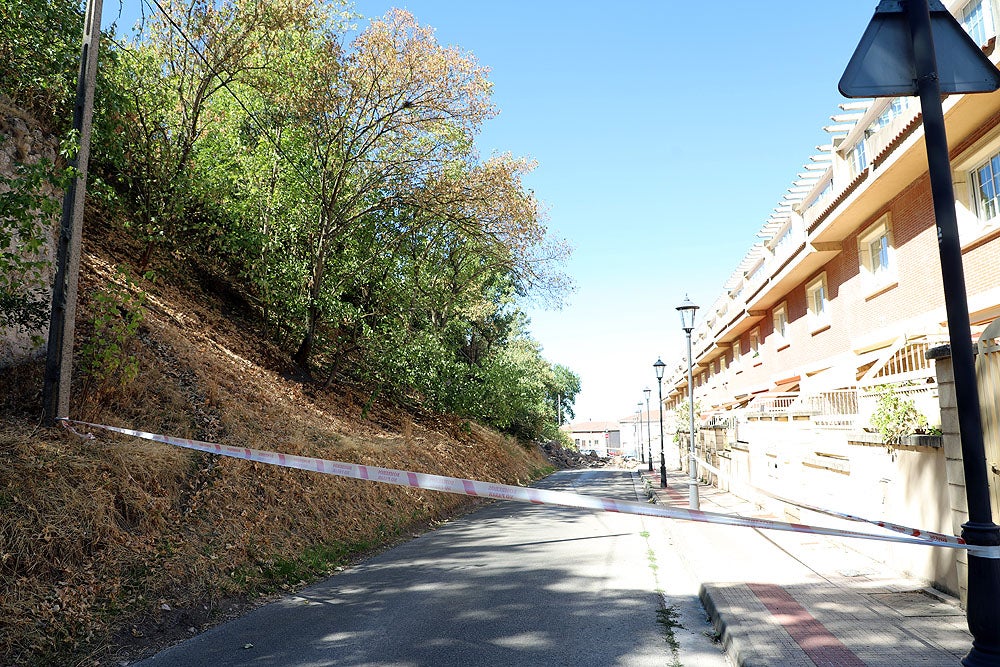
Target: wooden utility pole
x=59, y=363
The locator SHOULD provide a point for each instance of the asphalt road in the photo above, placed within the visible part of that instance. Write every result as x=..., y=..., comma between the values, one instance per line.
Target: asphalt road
x=510, y=584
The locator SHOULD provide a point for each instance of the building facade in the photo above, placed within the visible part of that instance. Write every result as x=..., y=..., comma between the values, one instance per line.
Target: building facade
x=600, y=438
x=836, y=307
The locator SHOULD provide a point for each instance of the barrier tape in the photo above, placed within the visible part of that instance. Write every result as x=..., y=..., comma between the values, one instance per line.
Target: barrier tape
x=906, y=530
x=928, y=535
x=469, y=487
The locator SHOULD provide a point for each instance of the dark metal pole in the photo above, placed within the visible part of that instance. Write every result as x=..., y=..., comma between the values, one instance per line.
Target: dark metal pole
x=649, y=432
x=693, y=500
x=663, y=460
x=984, y=573
x=62, y=320
x=638, y=419
x=649, y=455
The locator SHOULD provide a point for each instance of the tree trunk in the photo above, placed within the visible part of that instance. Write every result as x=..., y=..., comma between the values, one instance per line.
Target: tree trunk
x=302, y=355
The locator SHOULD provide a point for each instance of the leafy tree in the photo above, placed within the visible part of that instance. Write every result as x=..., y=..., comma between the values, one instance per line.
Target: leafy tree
x=39, y=56
x=188, y=54
x=337, y=185
x=562, y=391
x=399, y=110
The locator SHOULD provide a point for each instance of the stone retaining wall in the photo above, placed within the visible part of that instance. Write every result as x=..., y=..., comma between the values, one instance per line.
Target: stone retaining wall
x=22, y=141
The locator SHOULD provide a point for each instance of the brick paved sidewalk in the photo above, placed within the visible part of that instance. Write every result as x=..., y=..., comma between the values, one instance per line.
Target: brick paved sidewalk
x=791, y=599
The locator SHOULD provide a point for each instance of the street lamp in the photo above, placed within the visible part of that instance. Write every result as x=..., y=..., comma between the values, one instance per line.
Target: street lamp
x=918, y=48
x=638, y=446
x=649, y=433
x=638, y=420
x=687, y=310
x=658, y=367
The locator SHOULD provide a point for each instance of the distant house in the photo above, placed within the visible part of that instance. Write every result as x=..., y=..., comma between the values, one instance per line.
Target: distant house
x=601, y=438
x=640, y=435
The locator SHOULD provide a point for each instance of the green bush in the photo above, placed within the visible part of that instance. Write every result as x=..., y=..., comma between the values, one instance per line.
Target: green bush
x=118, y=310
x=895, y=415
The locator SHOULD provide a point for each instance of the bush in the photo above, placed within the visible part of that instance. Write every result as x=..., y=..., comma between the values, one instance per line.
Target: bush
x=895, y=415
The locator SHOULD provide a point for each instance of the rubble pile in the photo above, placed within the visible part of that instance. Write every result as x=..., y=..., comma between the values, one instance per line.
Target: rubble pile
x=571, y=458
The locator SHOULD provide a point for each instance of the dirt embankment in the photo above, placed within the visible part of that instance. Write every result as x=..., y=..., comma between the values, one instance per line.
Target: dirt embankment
x=112, y=547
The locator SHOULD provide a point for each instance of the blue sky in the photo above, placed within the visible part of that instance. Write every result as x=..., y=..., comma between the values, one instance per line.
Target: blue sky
x=664, y=131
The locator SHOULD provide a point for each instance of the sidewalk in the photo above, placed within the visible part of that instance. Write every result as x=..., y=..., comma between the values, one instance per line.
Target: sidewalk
x=792, y=599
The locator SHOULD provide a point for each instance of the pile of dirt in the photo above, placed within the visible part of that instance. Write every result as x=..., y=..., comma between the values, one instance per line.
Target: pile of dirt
x=111, y=548
x=562, y=457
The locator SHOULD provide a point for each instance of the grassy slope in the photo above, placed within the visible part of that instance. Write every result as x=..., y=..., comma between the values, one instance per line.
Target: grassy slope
x=113, y=547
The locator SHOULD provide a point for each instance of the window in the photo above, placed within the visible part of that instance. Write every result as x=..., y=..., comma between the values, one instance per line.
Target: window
x=890, y=113
x=857, y=159
x=737, y=351
x=755, y=343
x=784, y=239
x=780, y=319
x=722, y=362
x=977, y=19
x=817, y=301
x=877, y=255
x=823, y=193
x=986, y=185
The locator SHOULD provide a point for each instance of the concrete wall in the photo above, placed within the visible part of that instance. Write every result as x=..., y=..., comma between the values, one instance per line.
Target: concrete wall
x=851, y=473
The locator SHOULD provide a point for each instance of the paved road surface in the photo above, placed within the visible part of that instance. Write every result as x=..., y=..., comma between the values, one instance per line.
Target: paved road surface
x=510, y=584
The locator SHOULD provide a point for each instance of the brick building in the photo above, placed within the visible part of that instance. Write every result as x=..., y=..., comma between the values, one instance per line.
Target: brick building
x=841, y=298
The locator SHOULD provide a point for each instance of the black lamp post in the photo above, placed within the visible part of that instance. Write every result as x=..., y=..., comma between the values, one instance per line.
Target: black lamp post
x=638, y=420
x=687, y=310
x=658, y=367
x=635, y=426
x=649, y=433
x=916, y=47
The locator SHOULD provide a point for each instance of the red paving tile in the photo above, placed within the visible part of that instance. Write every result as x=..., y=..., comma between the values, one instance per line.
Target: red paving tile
x=811, y=635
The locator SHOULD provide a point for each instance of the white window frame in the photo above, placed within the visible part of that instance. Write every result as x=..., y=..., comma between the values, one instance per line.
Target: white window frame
x=737, y=351
x=857, y=157
x=819, y=317
x=755, y=342
x=779, y=320
x=878, y=270
x=988, y=25
x=978, y=206
x=973, y=225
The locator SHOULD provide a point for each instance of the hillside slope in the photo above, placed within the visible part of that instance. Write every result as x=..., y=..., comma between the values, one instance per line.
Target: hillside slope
x=113, y=547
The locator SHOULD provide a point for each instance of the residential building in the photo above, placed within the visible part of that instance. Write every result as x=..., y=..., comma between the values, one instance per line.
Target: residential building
x=644, y=428
x=841, y=298
x=600, y=438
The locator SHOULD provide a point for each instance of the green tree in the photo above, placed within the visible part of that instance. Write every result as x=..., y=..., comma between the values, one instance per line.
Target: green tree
x=187, y=56
x=39, y=56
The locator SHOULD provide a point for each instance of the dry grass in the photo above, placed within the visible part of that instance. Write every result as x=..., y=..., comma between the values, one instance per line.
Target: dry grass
x=111, y=547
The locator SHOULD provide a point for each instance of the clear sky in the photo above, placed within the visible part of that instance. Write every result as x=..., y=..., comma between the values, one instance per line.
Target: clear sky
x=664, y=131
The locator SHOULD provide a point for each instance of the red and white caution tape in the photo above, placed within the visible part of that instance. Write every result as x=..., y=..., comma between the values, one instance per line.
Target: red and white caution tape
x=469, y=487
x=927, y=535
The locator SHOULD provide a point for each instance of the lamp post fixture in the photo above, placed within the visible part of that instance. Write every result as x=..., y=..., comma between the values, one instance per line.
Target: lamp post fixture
x=649, y=433
x=658, y=367
x=638, y=421
x=899, y=56
x=687, y=310
x=638, y=446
